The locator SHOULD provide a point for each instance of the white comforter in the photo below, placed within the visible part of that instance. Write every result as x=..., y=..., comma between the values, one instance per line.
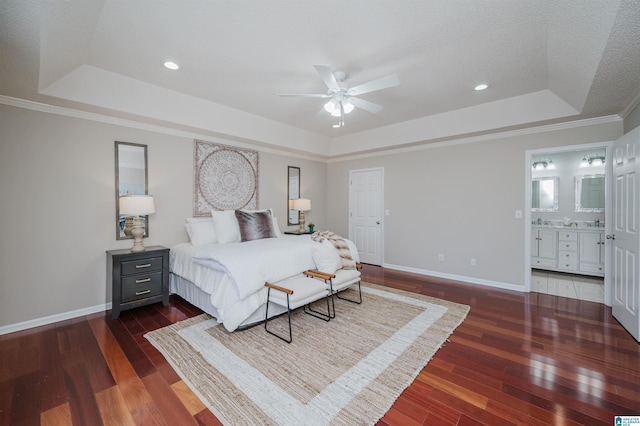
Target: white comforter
x=234, y=274
x=253, y=263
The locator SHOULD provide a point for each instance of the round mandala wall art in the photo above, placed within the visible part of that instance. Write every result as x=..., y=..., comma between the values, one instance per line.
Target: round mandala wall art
x=225, y=178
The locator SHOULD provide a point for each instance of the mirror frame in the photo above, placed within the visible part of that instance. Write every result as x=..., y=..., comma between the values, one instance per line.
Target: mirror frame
x=293, y=192
x=578, y=186
x=118, y=144
x=555, y=194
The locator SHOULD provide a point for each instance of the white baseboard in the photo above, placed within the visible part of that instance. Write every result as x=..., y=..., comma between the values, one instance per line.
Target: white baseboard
x=11, y=328
x=471, y=280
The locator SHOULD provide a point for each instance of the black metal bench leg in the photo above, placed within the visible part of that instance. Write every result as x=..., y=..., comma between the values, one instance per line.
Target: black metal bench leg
x=266, y=319
x=350, y=300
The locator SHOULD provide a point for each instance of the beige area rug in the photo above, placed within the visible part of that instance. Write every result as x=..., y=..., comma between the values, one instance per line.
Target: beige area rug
x=347, y=371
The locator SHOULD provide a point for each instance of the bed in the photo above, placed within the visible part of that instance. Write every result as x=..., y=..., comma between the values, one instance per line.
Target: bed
x=222, y=270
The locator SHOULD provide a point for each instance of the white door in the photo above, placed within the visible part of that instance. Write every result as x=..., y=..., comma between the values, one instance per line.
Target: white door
x=365, y=213
x=625, y=232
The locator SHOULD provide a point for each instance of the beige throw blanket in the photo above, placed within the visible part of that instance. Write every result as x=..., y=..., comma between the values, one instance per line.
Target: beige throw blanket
x=340, y=244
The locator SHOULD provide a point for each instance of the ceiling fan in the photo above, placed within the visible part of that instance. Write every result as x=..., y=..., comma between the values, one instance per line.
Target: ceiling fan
x=342, y=97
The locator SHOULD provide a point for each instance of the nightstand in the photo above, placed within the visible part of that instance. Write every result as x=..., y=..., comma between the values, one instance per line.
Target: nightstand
x=138, y=278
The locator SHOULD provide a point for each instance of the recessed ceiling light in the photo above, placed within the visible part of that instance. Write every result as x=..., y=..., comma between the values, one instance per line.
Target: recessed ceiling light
x=480, y=87
x=171, y=65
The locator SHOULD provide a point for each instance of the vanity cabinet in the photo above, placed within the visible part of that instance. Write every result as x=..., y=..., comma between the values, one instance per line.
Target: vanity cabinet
x=544, y=248
x=592, y=252
x=575, y=251
x=568, y=251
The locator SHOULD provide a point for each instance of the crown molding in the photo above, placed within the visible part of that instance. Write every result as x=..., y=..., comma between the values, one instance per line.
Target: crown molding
x=84, y=115
x=102, y=118
x=483, y=138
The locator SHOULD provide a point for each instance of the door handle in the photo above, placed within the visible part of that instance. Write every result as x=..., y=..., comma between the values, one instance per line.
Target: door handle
x=611, y=237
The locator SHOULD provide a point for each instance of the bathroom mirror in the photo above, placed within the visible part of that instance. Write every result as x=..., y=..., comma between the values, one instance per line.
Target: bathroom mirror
x=590, y=193
x=293, y=192
x=544, y=194
x=131, y=179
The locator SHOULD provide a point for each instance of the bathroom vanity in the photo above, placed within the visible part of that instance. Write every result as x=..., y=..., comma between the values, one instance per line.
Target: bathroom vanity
x=576, y=250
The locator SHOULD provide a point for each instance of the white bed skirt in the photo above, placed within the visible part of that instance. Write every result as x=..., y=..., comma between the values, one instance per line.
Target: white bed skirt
x=198, y=298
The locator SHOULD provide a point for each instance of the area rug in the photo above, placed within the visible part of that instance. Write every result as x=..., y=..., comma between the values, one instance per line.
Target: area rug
x=347, y=371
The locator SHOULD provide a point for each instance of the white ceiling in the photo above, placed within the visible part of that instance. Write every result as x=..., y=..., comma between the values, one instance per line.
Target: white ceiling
x=545, y=61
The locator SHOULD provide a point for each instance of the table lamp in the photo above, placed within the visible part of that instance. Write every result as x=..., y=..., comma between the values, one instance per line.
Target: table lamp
x=137, y=206
x=302, y=205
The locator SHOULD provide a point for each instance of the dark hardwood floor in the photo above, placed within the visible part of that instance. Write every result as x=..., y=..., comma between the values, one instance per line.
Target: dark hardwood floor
x=516, y=359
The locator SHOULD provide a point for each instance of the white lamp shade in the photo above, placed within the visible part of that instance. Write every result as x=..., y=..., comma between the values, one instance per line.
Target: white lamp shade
x=302, y=204
x=137, y=205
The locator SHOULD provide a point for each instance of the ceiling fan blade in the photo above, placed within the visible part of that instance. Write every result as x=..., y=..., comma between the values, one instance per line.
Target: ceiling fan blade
x=372, y=86
x=328, y=77
x=305, y=95
x=365, y=105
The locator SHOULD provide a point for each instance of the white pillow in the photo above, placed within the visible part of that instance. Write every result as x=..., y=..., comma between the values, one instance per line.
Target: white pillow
x=199, y=219
x=201, y=232
x=276, y=228
x=226, y=226
x=326, y=257
x=353, y=250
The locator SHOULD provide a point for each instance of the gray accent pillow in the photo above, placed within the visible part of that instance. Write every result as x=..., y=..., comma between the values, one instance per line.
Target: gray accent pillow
x=255, y=225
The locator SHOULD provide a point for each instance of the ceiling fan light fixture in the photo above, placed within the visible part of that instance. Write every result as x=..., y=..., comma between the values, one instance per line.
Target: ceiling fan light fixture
x=331, y=107
x=481, y=87
x=348, y=107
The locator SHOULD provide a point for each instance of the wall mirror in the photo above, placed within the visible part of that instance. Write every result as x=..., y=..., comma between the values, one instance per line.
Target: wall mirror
x=131, y=179
x=544, y=194
x=293, y=192
x=590, y=193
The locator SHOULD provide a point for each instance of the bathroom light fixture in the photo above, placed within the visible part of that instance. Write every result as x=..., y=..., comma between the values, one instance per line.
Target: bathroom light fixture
x=543, y=165
x=480, y=87
x=595, y=160
x=171, y=65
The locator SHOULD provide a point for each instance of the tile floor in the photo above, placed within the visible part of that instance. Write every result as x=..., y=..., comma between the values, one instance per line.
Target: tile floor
x=580, y=287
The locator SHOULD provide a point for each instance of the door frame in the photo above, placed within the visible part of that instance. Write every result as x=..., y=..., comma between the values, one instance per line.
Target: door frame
x=382, y=210
x=607, y=145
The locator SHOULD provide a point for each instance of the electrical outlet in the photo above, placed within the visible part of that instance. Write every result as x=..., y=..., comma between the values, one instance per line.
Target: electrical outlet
x=473, y=262
x=441, y=257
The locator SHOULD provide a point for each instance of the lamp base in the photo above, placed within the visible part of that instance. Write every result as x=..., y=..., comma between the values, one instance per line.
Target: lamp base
x=137, y=232
x=301, y=221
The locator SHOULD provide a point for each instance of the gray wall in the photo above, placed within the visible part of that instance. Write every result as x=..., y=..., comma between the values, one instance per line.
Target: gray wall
x=57, y=211
x=457, y=200
x=57, y=214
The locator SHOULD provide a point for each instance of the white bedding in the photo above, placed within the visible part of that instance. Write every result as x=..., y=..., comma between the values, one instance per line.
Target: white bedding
x=234, y=274
x=252, y=263
x=212, y=268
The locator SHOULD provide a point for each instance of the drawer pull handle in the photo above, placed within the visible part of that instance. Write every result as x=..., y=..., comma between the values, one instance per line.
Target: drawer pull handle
x=139, y=293
x=145, y=280
x=146, y=265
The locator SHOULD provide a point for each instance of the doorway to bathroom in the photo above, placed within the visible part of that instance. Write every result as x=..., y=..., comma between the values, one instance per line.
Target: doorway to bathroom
x=567, y=218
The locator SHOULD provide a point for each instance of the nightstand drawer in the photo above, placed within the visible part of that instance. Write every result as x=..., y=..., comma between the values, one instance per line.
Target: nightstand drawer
x=142, y=266
x=141, y=286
